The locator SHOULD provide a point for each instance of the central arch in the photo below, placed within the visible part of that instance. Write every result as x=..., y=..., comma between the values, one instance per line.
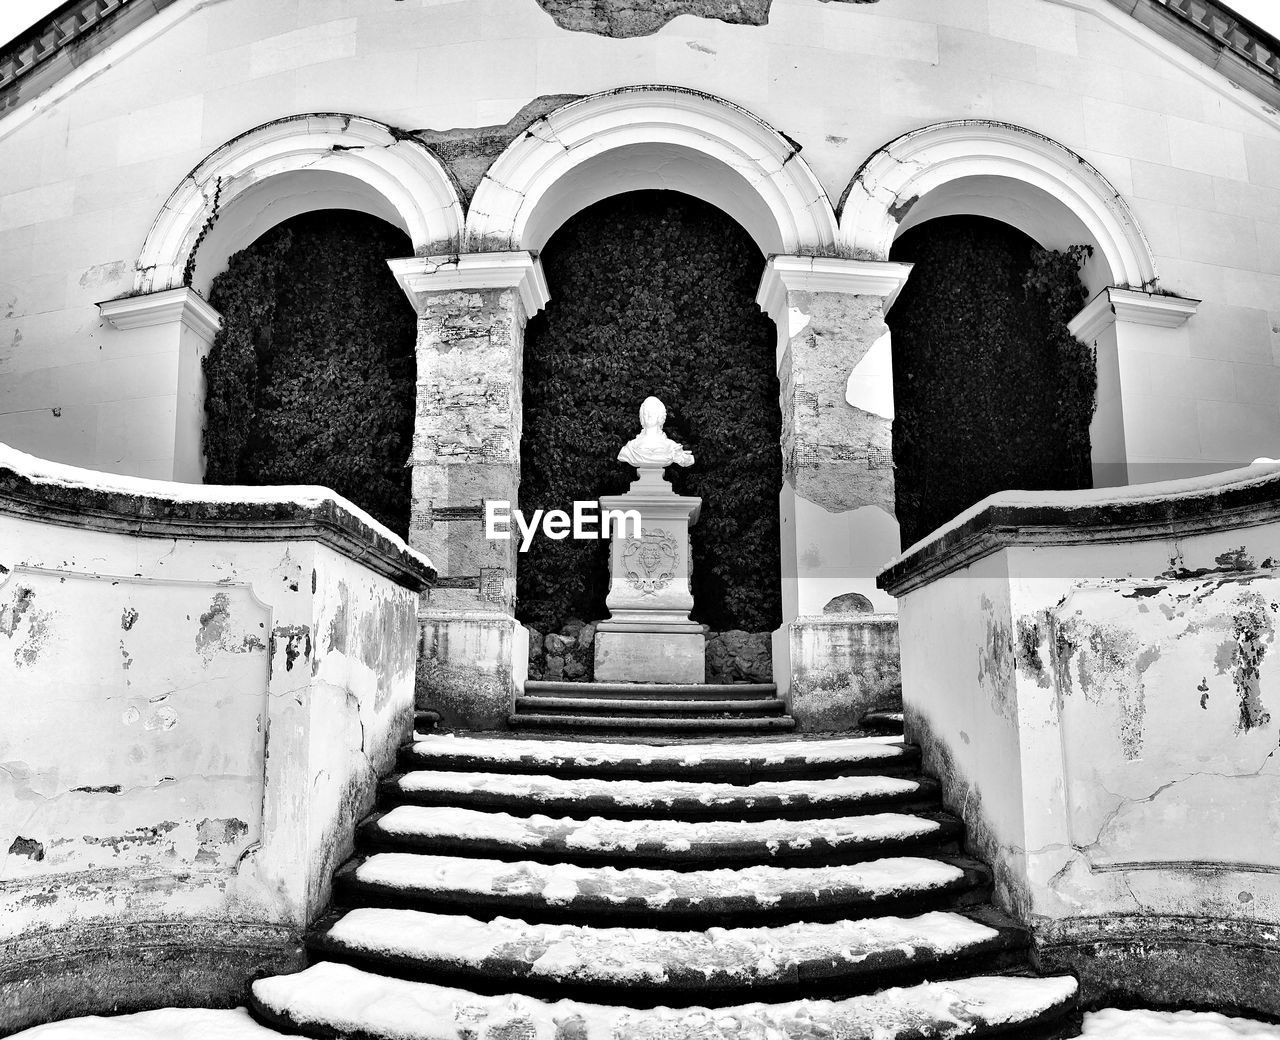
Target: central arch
x=645, y=137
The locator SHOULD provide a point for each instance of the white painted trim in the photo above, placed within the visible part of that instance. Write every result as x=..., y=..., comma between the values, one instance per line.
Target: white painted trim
x=925, y=160
x=1129, y=25
x=163, y=308
x=404, y=173
x=420, y=275
x=786, y=274
x=1115, y=305
x=687, y=121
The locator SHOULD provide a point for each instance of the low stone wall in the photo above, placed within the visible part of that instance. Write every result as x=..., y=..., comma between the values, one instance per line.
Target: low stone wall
x=1092, y=675
x=201, y=687
x=569, y=655
x=842, y=666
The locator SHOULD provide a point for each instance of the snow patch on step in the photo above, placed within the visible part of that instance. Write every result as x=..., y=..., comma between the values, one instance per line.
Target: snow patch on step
x=560, y=884
x=592, y=753
x=600, y=835
x=165, y=1024
x=343, y=998
x=643, y=793
x=1112, y=1024
x=582, y=954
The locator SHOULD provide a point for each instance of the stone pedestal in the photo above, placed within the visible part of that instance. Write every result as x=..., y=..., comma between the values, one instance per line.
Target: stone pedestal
x=648, y=636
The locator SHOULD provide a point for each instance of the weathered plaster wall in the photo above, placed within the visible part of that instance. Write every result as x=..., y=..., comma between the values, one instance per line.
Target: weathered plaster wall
x=83, y=172
x=1102, y=715
x=193, y=727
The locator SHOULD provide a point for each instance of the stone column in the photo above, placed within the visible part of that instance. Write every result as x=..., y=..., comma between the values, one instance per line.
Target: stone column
x=472, y=311
x=1134, y=333
x=158, y=342
x=837, y=504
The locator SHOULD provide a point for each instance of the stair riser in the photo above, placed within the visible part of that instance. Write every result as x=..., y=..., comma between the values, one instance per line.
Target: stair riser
x=632, y=709
x=716, y=772
x=677, y=915
x=821, y=980
x=719, y=691
x=689, y=809
x=816, y=855
x=658, y=725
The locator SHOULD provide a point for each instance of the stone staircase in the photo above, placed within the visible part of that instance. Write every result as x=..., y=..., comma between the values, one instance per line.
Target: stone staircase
x=651, y=709
x=522, y=889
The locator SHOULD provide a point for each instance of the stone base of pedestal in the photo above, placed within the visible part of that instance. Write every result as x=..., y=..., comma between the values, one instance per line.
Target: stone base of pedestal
x=651, y=657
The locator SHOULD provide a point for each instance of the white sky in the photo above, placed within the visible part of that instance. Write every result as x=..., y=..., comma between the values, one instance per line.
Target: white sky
x=16, y=15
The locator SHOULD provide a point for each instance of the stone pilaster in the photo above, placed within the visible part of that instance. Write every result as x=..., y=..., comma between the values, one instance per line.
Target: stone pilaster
x=472, y=311
x=837, y=505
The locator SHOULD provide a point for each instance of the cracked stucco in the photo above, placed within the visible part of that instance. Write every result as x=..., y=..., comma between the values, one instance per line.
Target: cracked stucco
x=626, y=18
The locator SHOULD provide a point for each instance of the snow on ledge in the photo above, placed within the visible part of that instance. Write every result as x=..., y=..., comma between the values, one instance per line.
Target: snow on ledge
x=46, y=474
x=165, y=1024
x=1111, y=1024
x=1125, y=512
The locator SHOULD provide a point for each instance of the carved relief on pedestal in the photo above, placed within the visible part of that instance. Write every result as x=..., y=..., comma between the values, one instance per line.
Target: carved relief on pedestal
x=651, y=561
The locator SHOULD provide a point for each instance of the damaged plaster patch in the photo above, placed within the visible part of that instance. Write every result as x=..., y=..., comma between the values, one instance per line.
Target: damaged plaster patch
x=28, y=847
x=1253, y=632
x=622, y=19
x=996, y=662
x=12, y=616
x=217, y=633
x=296, y=640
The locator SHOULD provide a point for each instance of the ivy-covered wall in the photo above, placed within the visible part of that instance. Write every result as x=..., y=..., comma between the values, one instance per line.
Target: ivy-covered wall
x=311, y=378
x=991, y=391
x=654, y=293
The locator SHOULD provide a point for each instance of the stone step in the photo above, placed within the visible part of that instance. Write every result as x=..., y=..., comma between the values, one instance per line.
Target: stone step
x=665, y=799
x=651, y=691
x=882, y=721
x=425, y=720
x=732, y=761
x=623, y=706
x=647, y=965
x=334, y=1000
x=702, y=724
x=673, y=899
x=657, y=843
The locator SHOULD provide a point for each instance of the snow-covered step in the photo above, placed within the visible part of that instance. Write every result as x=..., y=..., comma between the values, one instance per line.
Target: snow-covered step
x=329, y=999
x=705, y=725
x=638, y=707
x=537, y=891
x=506, y=954
x=651, y=691
x=735, y=761
x=666, y=799
x=649, y=842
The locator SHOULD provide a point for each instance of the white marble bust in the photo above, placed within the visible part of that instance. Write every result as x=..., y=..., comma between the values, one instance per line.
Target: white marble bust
x=652, y=447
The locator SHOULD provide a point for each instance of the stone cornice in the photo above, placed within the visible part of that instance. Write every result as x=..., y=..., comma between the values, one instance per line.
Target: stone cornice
x=1133, y=306
x=421, y=275
x=163, y=308
x=1169, y=509
x=36, y=490
x=830, y=274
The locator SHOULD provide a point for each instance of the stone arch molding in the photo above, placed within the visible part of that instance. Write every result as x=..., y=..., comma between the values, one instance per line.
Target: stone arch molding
x=291, y=166
x=1029, y=180
x=651, y=137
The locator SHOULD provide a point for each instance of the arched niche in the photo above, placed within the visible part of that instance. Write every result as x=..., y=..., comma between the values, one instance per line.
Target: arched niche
x=651, y=137
x=292, y=166
x=1005, y=172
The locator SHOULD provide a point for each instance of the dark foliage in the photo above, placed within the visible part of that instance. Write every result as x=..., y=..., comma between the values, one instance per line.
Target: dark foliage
x=991, y=390
x=654, y=293
x=311, y=379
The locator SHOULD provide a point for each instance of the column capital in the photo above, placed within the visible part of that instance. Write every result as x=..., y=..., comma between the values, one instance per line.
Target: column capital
x=830, y=274
x=459, y=272
x=168, y=306
x=1132, y=306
